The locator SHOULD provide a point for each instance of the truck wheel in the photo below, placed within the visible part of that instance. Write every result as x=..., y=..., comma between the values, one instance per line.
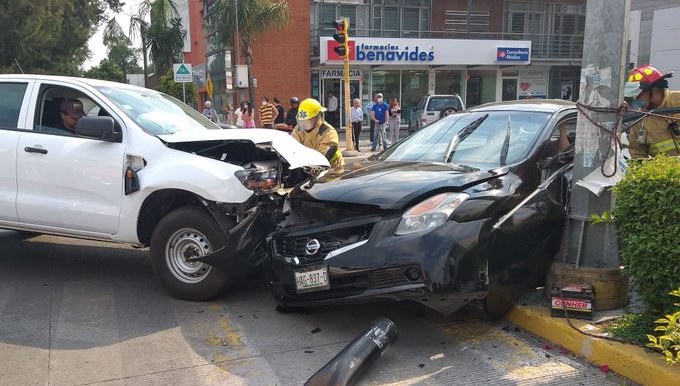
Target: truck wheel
x=499, y=300
x=184, y=233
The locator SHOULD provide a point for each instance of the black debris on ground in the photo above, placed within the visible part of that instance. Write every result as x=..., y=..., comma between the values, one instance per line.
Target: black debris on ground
x=317, y=329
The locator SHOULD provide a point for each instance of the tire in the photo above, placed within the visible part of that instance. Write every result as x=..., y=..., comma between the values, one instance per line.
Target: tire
x=25, y=235
x=185, y=232
x=499, y=300
x=447, y=111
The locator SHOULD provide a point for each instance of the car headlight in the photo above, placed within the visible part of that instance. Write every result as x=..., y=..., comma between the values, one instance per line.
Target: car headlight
x=430, y=213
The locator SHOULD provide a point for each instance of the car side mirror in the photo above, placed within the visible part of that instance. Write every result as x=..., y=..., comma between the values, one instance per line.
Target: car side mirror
x=102, y=128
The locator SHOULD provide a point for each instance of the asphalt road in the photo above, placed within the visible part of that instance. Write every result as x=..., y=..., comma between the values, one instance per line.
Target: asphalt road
x=81, y=313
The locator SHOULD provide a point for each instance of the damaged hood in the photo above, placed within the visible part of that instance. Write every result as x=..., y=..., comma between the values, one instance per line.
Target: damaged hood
x=294, y=153
x=393, y=185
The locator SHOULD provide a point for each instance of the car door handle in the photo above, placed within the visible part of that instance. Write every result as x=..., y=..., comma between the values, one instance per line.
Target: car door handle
x=29, y=149
x=430, y=113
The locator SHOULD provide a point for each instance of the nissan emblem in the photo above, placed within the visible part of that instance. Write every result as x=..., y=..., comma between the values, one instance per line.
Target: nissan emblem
x=312, y=247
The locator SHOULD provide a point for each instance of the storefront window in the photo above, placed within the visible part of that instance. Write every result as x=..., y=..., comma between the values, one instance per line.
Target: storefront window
x=448, y=82
x=387, y=83
x=413, y=88
x=481, y=87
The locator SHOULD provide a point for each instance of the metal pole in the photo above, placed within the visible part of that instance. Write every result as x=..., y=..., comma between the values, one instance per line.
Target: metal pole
x=184, y=93
x=469, y=16
x=602, y=78
x=348, y=121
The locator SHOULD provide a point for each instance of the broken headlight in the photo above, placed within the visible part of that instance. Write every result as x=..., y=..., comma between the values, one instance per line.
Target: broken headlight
x=262, y=178
x=430, y=213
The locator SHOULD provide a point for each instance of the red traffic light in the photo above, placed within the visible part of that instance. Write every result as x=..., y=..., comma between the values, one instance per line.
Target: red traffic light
x=340, y=25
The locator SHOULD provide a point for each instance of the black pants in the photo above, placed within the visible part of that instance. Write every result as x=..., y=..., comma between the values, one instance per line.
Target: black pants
x=356, y=132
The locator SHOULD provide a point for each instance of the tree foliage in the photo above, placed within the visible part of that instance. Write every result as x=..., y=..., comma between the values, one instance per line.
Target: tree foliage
x=254, y=17
x=167, y=84
x=48, y=37
x=106, y=70
x=647, y=219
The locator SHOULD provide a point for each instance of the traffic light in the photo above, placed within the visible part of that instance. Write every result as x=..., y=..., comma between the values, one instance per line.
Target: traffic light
x=341, y=37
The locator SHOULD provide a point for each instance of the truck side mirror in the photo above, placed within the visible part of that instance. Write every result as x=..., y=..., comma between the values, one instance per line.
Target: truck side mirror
x=102, y=128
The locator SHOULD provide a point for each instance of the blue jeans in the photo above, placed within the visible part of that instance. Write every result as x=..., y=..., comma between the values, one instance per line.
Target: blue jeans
x=380, y=136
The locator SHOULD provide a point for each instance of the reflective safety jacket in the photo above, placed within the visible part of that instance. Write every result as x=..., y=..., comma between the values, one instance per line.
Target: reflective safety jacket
x=324, y=139
x=653, y=135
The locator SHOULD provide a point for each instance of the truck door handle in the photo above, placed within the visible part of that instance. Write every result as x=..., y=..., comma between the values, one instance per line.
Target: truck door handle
x=29, y=149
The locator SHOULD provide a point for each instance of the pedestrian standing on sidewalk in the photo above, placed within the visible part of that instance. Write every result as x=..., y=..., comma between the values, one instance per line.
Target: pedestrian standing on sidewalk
x=268, y=113
x=332, y=112
x=248, y=115
x=228, y=115
x=210, y=113
x=281, y=116
x=379, y=116
x=393, y=123
x=371, y=123
x=357, y=116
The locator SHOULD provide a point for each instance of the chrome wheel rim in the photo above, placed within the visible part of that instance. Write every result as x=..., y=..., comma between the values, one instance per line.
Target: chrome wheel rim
x=180, y=248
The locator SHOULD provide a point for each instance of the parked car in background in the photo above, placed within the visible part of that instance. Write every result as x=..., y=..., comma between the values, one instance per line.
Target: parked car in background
x=431, y=108
x=143, y=168
x=470, y=207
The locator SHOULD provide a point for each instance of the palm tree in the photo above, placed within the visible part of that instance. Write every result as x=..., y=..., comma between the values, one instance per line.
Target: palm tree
x=162, y=38
x=245, y=20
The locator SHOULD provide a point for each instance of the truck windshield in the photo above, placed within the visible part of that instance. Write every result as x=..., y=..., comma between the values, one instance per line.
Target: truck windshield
x=156, y=113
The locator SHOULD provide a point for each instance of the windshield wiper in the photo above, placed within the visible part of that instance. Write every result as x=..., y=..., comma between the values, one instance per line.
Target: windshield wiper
x=461, y=135
x=506, y=143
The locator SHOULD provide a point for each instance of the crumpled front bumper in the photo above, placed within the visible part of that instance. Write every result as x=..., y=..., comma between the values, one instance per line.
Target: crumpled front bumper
x=450, y=259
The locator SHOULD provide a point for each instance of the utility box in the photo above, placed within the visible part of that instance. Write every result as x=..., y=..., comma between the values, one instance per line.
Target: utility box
x=575, y=299
x=241, y=76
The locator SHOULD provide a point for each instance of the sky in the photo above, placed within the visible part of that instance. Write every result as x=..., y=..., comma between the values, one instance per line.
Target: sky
x=96, y=42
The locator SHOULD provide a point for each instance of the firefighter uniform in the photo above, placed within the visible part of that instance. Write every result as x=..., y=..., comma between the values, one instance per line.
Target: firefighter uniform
x=656, y=135
x=324, y=139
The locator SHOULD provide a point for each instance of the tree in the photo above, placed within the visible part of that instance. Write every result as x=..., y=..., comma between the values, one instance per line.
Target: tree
x=48, y=37
x=122, y=54
x=162, y=37
x=106, y=70
x=167, y=84
x=254, y=17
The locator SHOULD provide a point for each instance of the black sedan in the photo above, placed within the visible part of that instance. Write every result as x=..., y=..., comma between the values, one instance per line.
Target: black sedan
x=470, y=207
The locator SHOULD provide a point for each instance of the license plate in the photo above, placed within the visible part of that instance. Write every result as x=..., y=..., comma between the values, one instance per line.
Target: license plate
x=314, y=279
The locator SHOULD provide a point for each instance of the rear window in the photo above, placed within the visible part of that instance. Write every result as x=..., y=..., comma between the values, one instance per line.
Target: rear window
x=440, y=103
x=11, y=97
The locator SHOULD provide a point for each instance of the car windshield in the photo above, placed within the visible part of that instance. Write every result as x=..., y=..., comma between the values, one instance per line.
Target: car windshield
x=479, y=139
x=155, y=113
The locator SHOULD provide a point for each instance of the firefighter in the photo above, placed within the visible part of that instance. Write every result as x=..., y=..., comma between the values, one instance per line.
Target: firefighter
x=313, y=132
x=648, y=88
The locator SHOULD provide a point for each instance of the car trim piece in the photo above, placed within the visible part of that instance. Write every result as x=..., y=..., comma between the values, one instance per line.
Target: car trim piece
x=342, y=250
x=540, y=188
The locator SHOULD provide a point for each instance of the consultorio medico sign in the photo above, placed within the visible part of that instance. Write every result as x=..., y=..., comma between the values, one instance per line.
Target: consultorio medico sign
x=384, y=51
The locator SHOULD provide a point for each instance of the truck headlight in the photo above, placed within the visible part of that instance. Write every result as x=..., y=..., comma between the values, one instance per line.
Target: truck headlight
x=260, y=179
x=430, y=213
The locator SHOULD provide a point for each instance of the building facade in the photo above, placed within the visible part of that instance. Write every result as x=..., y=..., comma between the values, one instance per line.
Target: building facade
x=483, y=50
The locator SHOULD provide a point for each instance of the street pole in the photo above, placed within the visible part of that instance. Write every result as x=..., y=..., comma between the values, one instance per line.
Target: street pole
x=602, y=78
x=348, y=120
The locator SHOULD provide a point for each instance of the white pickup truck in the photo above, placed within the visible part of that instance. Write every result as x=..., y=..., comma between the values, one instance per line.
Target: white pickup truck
x=142, y=168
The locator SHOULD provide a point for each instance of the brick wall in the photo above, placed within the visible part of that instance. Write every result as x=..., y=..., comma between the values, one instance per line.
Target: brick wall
x=197, y=54
x=281, y=61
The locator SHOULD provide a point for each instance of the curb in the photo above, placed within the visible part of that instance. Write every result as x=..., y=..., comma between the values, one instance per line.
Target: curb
x=628, y=360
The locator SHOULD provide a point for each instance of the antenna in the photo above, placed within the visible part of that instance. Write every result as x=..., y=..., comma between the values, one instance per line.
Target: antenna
x=17, y=62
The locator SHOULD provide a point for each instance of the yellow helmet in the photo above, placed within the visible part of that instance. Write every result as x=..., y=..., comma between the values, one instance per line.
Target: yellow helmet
x=309, y=108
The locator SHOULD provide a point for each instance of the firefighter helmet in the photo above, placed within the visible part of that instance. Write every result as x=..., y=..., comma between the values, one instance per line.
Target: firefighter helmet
x=309, y=108
x=642, y=78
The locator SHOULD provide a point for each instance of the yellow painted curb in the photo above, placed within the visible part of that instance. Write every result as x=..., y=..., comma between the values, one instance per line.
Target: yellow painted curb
x=631, y=361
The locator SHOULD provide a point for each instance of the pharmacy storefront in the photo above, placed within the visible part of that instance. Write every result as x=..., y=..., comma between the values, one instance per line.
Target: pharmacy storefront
x=480, y=71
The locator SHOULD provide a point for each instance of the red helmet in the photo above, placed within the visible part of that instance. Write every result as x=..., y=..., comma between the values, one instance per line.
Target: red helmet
x=643, y=77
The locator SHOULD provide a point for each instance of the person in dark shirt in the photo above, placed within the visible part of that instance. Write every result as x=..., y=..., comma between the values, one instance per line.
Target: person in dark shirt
x=280, y=117
x=291, y=116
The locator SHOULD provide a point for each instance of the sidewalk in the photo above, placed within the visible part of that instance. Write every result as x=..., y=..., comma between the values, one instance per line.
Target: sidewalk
x=532, y=313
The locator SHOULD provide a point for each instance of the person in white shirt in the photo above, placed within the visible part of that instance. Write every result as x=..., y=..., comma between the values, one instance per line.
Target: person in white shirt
x=332, y=109
x=357, y=117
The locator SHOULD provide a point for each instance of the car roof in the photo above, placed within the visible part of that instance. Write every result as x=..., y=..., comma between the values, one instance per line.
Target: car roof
x=72, y=79
x=543, y=105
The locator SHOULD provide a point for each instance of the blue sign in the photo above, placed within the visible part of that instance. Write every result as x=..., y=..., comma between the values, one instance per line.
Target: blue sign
x=510, y=54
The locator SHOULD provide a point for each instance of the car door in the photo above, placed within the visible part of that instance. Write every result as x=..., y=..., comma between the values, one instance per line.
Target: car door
x=13, y=98
x=68, y=183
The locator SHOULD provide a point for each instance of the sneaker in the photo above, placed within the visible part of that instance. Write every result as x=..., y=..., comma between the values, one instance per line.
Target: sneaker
x=373, y=149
